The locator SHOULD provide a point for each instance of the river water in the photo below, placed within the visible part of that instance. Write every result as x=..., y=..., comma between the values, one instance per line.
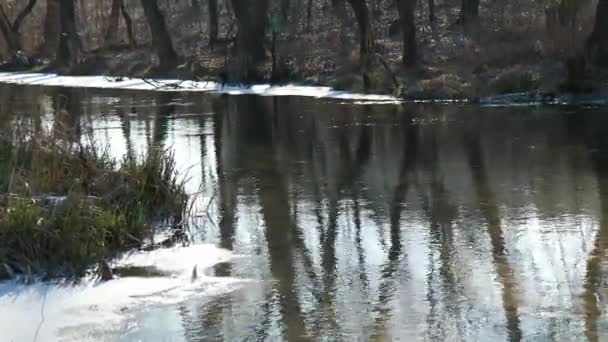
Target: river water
x=323, y=220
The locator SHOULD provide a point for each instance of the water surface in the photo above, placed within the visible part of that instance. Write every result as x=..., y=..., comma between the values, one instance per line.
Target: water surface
x=343, y=222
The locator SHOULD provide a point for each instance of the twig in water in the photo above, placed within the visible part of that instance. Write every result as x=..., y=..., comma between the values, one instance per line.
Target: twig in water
x=208, y=206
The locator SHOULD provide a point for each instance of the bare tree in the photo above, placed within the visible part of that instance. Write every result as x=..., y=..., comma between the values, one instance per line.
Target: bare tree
x=118, y=9
x=62, y=42
x=366, y=39
x=469, y=11
x=11, y=31
x=598, y=41
x=213, y=22
x=161, y=41
x=251, y=20
x=408, y=30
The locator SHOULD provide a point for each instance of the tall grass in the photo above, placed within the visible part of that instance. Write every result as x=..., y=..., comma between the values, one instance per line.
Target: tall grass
x=65, y=205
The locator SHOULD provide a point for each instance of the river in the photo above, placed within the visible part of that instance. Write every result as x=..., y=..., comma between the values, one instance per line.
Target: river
x=328, y=219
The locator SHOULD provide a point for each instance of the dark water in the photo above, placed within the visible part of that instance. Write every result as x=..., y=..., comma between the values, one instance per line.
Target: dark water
x=373, y=223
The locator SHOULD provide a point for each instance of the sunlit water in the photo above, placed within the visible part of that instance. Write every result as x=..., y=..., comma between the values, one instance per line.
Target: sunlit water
x=323, y=220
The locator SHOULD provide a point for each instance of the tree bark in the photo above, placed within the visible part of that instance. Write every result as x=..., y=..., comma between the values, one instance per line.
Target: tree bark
x=196, y=6
x=111, y=35
x=598, y=40
x=252, y=21
x=22, y=15
x=213, y=22
x=10, y=31
x=408, y=30
x=567, y=12
x=52, y=28
x=62, y=43
x=11, y=40
x=69, y=41
x=161, y=41
x=309, y=16
x=128, y=24
x=431, y=4
x=469, y=11
x=366, y=40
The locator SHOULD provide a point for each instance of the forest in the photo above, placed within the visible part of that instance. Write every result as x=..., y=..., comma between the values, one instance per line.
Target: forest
x=451, y=49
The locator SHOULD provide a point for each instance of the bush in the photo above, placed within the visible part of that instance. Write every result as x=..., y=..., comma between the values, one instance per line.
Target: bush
x=65, y=207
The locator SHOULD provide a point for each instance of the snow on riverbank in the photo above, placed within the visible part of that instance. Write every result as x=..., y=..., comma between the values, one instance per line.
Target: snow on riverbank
x=126, y=83
x=52, y=311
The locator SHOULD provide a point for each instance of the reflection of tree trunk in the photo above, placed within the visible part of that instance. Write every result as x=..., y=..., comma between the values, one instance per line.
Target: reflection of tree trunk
x=593, y=283
x=275, y=209
x=279, y=229
x=211, y=317
x=441, y=214
x=225, y=183
x=125, y=124
x=408, y=163
x=68, y=112
x=161, y=121
x=359, y=243
x=490, y=211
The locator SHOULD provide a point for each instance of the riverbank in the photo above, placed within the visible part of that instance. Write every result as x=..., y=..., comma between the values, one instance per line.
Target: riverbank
x=321, y=49
x=533, y=97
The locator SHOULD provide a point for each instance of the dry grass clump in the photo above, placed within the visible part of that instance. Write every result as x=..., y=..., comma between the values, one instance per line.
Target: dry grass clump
x=65, y=206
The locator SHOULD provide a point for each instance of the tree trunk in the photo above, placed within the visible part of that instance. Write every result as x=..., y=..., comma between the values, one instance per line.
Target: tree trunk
x=251, y=20
x=285, y=5
x=567, y=12
x=469, y=12
x=62, y=43
x=366, y=40
x=408, y=30
x=598, y=41
x=10, y=31
x=22, y=15
x=431, y=4
x=12, y=41
x=52, y=29
x=111, y=36
x=213, y=22
x=161, y=41
x=69, y=41
x=128, y=23
x=309, y=16
x=196, y=6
